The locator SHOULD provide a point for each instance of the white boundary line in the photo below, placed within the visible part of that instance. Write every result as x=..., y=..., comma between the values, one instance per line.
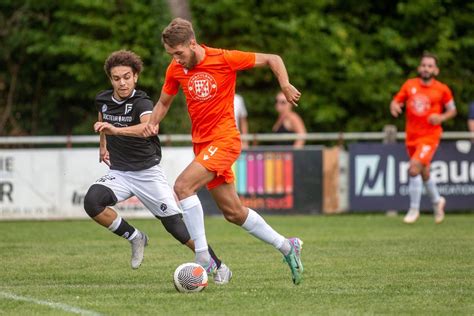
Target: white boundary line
x=64, y=307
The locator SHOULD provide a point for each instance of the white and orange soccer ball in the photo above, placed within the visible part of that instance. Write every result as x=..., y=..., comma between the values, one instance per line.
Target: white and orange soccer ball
x=190, y=277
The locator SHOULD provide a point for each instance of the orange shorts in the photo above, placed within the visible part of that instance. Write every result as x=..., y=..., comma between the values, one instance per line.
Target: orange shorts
x=218, y=156
x=423, y=152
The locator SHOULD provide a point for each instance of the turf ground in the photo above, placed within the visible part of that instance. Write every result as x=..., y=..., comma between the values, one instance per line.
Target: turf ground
x=354, y=264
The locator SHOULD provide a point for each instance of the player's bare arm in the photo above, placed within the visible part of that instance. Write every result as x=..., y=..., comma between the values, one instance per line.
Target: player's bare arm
x=437, y=119
x=278, y=68
x=159, y=112
x=134, y=131
x=396, y=108
x=103, y=152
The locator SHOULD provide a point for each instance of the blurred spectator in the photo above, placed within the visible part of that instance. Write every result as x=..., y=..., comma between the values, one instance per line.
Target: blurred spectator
x=241, y=118
x=470, y=118
x=288, y=121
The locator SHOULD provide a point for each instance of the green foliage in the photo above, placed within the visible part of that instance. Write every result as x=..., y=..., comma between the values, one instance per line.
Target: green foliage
x=347, y=57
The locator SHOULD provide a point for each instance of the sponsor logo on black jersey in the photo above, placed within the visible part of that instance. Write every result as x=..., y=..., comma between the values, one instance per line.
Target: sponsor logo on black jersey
x=128, y=108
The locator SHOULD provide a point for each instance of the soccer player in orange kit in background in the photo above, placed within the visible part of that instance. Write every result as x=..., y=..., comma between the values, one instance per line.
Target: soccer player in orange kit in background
x=428, y=104
x=207, y=77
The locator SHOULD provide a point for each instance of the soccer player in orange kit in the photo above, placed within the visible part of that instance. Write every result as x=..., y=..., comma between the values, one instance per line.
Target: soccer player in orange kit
x=207, y=77
x=428, y=104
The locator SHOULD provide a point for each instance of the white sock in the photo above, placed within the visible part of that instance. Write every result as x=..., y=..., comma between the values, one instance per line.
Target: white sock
x=257, y=226
x=193, y=217
x=415, y=188
x=432, y=190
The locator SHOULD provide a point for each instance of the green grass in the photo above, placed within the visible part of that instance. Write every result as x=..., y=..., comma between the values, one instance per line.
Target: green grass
x=354, y=264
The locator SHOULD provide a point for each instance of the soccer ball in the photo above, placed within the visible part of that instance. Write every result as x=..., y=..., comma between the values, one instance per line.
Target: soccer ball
x=190, y=277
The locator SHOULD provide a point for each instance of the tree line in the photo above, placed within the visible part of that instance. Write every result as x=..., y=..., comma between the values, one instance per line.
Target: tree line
x=348, y=58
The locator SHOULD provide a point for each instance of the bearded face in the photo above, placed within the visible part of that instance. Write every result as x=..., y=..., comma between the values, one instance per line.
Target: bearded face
x=427, y=69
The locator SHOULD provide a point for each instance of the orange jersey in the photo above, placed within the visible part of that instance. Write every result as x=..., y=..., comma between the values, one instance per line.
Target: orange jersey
x=421, y=101
x=209, y=89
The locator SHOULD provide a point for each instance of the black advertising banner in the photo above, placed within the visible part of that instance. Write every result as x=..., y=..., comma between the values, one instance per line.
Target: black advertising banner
x=276, y=181
x=379, y=176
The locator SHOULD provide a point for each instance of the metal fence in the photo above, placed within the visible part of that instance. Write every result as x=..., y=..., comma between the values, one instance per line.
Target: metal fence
x=171, y=139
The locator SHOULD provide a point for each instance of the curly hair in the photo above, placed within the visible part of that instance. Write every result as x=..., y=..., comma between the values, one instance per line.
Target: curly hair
x=123, y=58
x=179, y=31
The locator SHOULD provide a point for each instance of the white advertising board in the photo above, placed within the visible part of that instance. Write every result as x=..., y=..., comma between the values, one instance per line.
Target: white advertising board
x=52, y=183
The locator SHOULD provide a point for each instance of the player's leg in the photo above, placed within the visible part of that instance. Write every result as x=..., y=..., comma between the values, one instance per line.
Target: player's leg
x=437, y=200
x=229, y=203
x=187, y=184
x=415, y=185
x=152, y=189
x=100, y=196
x=174, y=225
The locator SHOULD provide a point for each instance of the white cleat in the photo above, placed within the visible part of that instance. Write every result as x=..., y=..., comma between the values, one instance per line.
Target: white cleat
x=439, y=210
x=222, y=275
x=138, y=248
x=412, y=216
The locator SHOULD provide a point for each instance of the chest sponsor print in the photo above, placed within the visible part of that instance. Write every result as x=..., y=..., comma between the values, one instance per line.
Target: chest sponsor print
x=420, y=105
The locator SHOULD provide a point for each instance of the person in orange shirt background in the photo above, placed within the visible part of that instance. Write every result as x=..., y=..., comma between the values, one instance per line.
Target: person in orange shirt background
x=428, y=103
x=207, y=78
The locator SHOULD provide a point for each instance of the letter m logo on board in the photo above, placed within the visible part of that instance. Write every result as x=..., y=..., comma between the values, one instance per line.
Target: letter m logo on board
x=374, y=175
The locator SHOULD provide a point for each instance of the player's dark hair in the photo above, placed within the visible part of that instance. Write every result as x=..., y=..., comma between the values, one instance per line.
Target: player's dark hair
x=430, y=55
x=178, y=32
x=123, y=58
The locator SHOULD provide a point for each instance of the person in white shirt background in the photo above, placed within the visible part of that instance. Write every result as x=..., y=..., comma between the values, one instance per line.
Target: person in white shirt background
x=241, y=118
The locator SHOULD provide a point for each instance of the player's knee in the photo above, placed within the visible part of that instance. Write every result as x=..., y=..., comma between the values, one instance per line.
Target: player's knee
x=182, y=190
x=97, y=198
x=174, y=225
x=413, y=171
x=234, y=214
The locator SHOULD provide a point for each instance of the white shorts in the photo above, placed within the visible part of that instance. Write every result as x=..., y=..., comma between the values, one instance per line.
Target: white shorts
x=149, y=186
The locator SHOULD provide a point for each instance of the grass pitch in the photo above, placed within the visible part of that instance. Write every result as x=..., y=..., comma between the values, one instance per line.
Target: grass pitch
x=354, y=264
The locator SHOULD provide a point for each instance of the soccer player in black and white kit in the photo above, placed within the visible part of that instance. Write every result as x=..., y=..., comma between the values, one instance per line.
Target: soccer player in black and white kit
x=134, y=163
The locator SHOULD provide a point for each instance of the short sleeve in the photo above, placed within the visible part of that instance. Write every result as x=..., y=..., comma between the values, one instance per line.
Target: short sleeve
x=402, y=95
x=239, y=105
x=171, y=85
x=471, y=111
x=447, y=95
x=239, y=60
x=144, y=106
x=98, y=105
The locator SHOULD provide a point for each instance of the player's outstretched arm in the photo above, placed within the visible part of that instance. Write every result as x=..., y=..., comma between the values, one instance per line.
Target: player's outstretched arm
x=159, y=112
x=133, y=131
x=278, y=68
x=396, y=108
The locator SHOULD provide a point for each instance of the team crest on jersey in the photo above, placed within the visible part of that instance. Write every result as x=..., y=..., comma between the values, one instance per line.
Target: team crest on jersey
x=420, y=104
x=202, y=86
x=128, y=108
x=104, y=108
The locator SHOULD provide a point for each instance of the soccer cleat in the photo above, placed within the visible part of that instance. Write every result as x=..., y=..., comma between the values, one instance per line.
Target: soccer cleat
x=438, y=209
x=211, y=269
x=138, y=248
x=412, y=216
x=294, y=260
x=222, y=275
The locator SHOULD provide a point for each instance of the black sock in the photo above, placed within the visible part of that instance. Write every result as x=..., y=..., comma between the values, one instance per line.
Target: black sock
x=213, y=256
x=122, y=228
